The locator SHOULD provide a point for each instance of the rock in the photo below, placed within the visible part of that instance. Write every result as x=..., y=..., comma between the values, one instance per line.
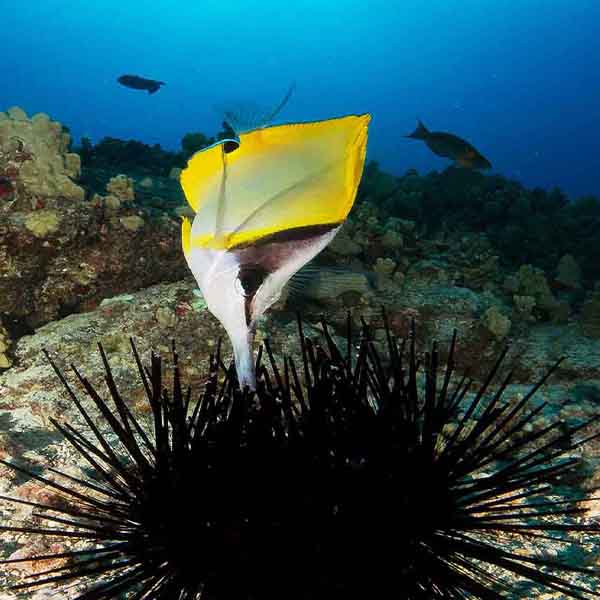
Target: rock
x=406, y=226
x=560, y=312
x=524, y=306
x=121, y=187
x=568, y=272
x=111, y=202
x=532, y=282
x=132, y=223
x=34, y=153
x=42, y=253
x=73, y=165
x=343, y=245
x=185, y=210
x=384, y=267
x=41, y=121
x=496, y=323
x=5, y=361
x=392, y=240
x=590, y=315
x=42, y=222
x=17, y=114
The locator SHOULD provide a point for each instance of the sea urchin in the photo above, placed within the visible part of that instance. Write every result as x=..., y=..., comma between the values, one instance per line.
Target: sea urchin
x=366, y=476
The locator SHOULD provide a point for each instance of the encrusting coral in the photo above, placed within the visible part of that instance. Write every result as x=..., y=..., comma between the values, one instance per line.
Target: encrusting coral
x=35, y=156
x=352, y=475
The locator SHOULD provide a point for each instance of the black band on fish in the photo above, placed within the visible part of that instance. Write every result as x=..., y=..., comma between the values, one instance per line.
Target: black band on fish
x=290, y=235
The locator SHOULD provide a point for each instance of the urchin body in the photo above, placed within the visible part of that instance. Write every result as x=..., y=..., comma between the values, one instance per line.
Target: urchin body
x=361, y=483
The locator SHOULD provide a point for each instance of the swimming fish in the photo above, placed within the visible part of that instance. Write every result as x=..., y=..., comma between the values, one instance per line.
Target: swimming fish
x=140, y=83
x=451, y=146
x=263, y=210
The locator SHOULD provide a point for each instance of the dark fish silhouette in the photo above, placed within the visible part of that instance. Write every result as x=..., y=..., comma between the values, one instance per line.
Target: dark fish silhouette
x=140, y=83
x=451, y=146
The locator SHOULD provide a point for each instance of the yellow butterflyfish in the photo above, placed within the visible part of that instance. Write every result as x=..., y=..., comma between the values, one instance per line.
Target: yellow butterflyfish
x=266, y=203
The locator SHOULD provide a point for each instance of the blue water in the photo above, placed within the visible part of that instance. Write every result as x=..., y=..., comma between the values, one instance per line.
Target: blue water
x=517, y=78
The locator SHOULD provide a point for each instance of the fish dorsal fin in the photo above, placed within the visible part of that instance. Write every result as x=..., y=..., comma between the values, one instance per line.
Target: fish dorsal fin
x=245, y=116
x=281, y=177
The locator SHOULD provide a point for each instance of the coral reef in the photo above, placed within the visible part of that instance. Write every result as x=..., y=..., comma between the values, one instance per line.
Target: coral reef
x=35, y=157
x=497, y=323
x=80, y=257
x=525, y=226
x=131, y=157
x=66, y=259
x=60, y=253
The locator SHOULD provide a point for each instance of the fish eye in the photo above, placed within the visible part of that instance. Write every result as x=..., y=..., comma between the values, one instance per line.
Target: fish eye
x=230, y=145
x=249, y=279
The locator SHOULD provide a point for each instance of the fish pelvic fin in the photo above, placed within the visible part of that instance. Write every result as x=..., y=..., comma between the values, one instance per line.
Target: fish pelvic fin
x=420, y=133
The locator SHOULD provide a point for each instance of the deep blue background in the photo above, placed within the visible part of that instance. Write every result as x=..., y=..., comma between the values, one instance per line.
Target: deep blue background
x=520, y=79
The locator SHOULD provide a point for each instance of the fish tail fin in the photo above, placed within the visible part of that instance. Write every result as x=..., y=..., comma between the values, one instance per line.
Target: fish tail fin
x=420, y=133
x=155, y=86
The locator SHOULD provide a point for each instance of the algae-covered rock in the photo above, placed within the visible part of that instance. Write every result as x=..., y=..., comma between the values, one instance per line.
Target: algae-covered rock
x=560, y=312
x=16, y=113
x=72, y=165
x=392, y=240
x=524, y=306
x=5, y=361
x=568, y=272
x=112, y=203
x=511, y=284
x=68, y=258
x=42, y=222
x=384, y=267
x=533, y=282
x=343, y=245
x=132, y=223
x=496, y=323
x=122, y=187
x=590, y=315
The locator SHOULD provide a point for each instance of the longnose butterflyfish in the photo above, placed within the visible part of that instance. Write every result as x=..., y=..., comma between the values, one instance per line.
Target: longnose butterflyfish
x=451, y=146
x=266, y=204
